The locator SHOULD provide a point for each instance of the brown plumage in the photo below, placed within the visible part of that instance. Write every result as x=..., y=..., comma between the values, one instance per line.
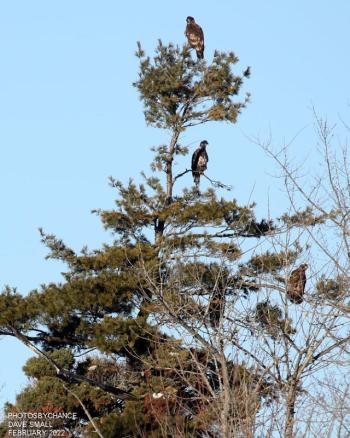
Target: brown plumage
x=195, y=37
x=199, y=162
x=296, y=284
x=216, y=308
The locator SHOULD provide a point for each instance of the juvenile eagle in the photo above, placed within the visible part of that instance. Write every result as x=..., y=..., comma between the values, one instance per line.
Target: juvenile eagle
x=195, y=37
x=216, y=308
x=296, y=284
x=199, y=162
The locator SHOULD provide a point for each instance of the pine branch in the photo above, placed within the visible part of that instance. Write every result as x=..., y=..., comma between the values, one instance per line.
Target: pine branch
x=69, y=376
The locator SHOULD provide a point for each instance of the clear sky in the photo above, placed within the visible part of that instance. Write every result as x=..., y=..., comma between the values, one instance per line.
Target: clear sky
x=69, y=116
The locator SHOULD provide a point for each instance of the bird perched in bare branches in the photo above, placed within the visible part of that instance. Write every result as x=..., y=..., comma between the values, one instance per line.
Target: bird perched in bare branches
x=296, y=284
x=199, y=162
x=216, y=308
x=195, y=37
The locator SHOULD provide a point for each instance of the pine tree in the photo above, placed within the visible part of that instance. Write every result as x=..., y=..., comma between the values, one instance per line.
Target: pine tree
x=158, y=333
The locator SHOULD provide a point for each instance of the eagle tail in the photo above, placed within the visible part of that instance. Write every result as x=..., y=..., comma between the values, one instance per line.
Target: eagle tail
x=196, y=178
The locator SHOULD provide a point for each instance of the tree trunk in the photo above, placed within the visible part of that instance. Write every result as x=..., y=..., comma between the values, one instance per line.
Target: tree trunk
x=169, y=166
x=226, y=398
x=290, y=412
x=159, y=224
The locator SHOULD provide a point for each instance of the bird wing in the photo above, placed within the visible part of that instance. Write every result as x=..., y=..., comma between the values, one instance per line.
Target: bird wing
x=195, y=35
x=303, y=280
x=195, y=158
x=205, y=155
x=296, y=283
x=200, y=33
x=294, y=280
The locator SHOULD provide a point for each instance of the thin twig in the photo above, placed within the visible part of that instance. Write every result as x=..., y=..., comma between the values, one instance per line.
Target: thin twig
x=94, y=425
x=179, y=175
x=218, y=184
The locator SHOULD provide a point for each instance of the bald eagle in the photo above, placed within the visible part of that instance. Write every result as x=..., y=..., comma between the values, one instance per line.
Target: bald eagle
x=199, y=161
x=296, y=284
x=195, y=37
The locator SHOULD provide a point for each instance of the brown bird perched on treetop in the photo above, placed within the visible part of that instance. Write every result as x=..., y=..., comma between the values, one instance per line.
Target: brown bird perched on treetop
x=296, y=284
x=195, y=37
x=199, y=162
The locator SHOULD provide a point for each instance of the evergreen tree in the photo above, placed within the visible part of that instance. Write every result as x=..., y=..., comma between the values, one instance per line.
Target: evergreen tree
x=166, y=331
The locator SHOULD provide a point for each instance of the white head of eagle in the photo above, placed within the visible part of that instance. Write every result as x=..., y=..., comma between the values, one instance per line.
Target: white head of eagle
x=199, y=161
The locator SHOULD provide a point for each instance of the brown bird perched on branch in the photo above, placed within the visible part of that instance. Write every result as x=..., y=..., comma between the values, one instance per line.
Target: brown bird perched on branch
x=296, y=284
x=195, y=37
x=199, y=162
x=216, y=308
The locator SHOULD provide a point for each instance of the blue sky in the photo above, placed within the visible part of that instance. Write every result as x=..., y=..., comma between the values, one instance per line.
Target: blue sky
x=69, y=116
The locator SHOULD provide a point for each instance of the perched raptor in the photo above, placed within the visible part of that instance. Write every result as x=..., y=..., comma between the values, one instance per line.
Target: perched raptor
x=199, y=162
x=296, y=284
x=195, y=37
x=216, y=308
